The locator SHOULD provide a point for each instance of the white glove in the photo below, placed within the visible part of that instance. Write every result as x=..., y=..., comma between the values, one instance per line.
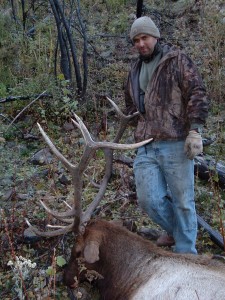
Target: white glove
x=193, y=144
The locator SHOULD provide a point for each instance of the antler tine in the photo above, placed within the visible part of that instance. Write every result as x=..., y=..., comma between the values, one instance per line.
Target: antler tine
x=62, y=158
x=57, y=215
x=87, y=137
x=50, y=233
x=109, y=145
x=116, y=146
x=124, y=120
x=118, y=110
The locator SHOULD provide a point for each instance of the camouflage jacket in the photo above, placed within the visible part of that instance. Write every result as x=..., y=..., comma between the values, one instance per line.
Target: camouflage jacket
x=174, y=99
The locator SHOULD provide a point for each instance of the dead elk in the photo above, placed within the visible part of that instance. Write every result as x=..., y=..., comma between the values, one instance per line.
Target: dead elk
x=130, y=267
x=127, y=266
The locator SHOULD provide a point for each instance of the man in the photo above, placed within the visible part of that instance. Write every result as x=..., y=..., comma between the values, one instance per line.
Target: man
x=166, y=88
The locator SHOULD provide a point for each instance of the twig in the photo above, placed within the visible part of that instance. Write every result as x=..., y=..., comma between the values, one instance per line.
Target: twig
x=20, y=113
x=6, y=118
x=101, y=35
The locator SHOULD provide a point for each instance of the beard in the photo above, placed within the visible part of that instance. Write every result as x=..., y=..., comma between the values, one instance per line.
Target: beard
x=148, y=57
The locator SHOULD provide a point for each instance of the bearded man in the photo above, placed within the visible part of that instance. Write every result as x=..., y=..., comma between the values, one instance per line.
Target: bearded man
x=166, y=88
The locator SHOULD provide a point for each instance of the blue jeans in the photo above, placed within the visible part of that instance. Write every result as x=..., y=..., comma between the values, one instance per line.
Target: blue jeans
x=161, y=166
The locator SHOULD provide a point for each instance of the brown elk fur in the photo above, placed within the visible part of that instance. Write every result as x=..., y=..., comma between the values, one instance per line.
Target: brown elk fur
x=126, y=261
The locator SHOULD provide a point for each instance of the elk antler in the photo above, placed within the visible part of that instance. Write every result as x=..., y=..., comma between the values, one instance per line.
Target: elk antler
x=79, y=217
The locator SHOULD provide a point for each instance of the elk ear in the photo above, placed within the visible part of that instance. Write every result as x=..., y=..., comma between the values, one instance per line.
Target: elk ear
x=91, y=252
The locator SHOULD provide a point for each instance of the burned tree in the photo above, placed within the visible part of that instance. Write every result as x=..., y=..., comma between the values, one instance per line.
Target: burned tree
x=139, y=8
x=68, y=50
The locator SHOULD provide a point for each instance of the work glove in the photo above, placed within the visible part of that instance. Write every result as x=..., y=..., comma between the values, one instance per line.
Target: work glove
x=193, y=144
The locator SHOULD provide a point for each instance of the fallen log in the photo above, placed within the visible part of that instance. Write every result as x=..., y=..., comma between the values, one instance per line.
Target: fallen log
x=210, y=169
x=215, y=236
x=15, y=98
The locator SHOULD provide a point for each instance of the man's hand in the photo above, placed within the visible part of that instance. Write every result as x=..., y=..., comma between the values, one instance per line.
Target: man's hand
x=193, y=144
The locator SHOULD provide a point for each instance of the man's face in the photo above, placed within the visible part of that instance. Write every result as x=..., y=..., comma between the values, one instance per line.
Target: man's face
x=144, y=44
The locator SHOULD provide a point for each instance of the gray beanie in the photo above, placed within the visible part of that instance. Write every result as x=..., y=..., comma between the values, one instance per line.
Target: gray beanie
x=144, y=25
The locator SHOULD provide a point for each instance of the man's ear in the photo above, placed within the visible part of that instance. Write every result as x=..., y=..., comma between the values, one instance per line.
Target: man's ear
x=91, y=252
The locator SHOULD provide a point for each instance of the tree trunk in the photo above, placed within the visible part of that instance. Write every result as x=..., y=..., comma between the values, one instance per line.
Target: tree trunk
x=139, y=8
x=64, y=58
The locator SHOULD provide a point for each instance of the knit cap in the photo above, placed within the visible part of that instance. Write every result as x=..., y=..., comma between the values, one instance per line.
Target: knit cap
x=144, y=25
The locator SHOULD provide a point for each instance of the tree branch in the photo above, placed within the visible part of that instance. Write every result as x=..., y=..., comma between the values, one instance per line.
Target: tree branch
x=15, y=98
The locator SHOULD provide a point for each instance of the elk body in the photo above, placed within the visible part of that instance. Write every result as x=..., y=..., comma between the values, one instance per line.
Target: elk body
x=133, y=268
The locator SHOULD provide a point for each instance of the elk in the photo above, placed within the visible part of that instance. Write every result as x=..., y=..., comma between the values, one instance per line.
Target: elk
x=126, y=266
x=129, y=267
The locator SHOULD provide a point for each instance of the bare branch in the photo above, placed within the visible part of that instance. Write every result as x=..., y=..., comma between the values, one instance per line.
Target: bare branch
x=20, y=113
